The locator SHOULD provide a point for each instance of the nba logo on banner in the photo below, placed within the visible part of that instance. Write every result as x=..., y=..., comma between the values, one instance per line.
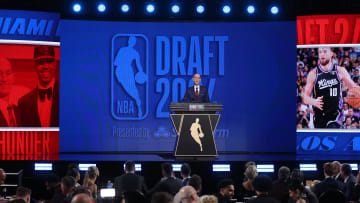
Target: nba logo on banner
x=129, y=76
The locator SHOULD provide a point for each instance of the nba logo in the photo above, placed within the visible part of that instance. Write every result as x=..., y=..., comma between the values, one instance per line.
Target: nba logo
x=129, y=76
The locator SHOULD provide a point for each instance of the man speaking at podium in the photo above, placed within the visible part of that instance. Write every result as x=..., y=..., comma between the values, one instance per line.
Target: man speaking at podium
x=196, y=93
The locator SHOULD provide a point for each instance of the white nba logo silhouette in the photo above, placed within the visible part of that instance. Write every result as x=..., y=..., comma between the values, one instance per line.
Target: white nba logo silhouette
x=196, y=132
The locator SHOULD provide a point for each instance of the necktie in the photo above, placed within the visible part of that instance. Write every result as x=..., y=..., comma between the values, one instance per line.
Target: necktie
x=12, y=122
x=197, y=93
x=45, y=92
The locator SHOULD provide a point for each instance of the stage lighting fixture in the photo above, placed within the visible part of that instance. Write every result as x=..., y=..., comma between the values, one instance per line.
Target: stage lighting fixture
x=226, y=9
x=221, y=167
x=308, y=167
x=200, y=9
x=43, y=166
x=250, y=9
x=274, y=10
x=107, y=192
x=176, y=167
x=76, y=8
x=175, y=8
x=125, y=8
x=101, y=7
x=354, y=167
x=265, y=168
x=137, y=167
x=84, y=167
x=150, y=8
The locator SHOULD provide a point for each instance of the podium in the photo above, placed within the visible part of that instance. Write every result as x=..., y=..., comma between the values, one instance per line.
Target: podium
x=195, y=124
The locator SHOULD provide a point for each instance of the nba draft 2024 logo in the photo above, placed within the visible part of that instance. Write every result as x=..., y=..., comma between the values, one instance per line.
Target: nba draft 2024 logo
x=129, y=76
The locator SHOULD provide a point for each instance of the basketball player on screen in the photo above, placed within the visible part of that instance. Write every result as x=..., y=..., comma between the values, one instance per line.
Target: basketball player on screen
x=323, y=90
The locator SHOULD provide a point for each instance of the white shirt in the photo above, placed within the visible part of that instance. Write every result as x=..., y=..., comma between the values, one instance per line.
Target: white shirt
x=198, y=88
x=44, y=107
x=346, y=179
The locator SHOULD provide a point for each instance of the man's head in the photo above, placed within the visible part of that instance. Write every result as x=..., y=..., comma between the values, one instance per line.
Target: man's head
x=67, y=184
x=23, y=193
x=297, y=175
x=6, y=77
x=284, y=173
x=195, y=181
x=187, y=194
x=208, y=199
x=197, y=79
x=162, y=197
x=185, y=170
x=132, y=41
x=2, y=176
x=45, y=64
x=325, y=55
x=129, y=167
x=166, y=169
x=329, y=169
x=345, y=170
x=81, y=198
x=262, y=184
x=346, y=106
x=295, y=190
x=351, y=112
x=337, y=165
x=226, y=188
x=52, y=182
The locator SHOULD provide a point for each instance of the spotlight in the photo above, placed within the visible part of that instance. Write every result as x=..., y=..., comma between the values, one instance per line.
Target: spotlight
x=43, y=166
x=76, y=8
x=176, y=167
x=226, y=9
x=221, y=167
x=250, y=9
x=101, y=7
x=150, y=8
x=265, y=168
x=274, y=10
x=107, y=192
x=200, y=9
x=125, y=8
x=175, y=8
x=308, y=167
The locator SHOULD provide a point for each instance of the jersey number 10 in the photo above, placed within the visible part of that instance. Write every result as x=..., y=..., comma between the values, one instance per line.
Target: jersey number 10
x=333, y=92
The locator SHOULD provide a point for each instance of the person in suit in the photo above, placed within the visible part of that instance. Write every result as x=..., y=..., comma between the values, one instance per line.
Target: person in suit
x=263, y=187
x=196, y=93
x=129, y=181
x=280, y=187
x=185, y=173
x=226, y=191
x=337, y=173
x=40, y=107
x=349, y=181
x=169, y=183
x=329, y=183
x=22, y=195
x=9, y=114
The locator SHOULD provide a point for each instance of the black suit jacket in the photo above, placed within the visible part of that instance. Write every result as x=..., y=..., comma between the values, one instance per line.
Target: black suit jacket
x=190, y=95
x=29, y=109
x=349, y=188
x=171, y=185
x=328, y=184
x=129, y=182
x=263, y=199
x=3, y=122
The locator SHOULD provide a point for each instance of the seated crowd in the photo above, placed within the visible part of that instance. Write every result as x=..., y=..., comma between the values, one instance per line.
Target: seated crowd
x=339, y=185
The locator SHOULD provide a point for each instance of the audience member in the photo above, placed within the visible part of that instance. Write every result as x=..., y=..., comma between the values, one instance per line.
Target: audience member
x=90, y=178
x=349, y=182
x=2, y=176
x=208, y=199
x=169, y=183
x=280, y=189
x=337, y=173
x=297, y=193
x=298, y=176
x=263, y=187
x=246, y=188
x=329, y=183
x=73, y=171
x=162, y=197
x=67, y=186
x=226, y=191
x=81, y=198
x=195, y=181
x=186, y=194
x=129, y=181
x=185, y=173
x=23, y=195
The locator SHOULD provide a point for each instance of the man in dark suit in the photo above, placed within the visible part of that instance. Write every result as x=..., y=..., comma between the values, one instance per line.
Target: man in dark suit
x=129, y=181
x=40, y=107
x=196, y=93
x=9, y=114
x=263, y=186
x=22, y=195
x=185, y=173
x=337, y=174
x=329, y=183
x=226, y=191
x=169, y=183
x=349, y=181
x=280, y=189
